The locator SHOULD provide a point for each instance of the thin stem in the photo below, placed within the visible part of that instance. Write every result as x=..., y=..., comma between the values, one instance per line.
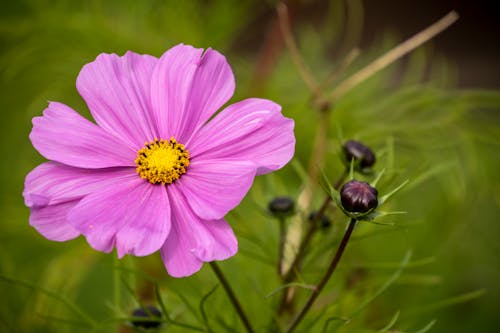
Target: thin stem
x=117, y=272
x=232, y=296
x=324, y=279
x=305, y=197
x=289, y=276
x=281, y=249
x=393, y=55
x=346, y=62
x=297, y=58
x=310, y=231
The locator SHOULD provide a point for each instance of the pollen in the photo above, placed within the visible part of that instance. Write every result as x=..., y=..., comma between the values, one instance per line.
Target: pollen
x=162, y=161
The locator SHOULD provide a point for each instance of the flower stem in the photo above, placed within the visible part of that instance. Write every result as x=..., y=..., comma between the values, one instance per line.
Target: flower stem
x=289, y=276
x=281, y=249
x=297, y=58
x=232, y=296
x=116, y=283
x=324, y=279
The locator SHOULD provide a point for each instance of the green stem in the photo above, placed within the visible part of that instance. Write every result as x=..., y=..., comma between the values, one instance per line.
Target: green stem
x=281, y=249
x=289, y=276
x=116, y=283
x=310, y=231
x=324, y=279
x=232, y=297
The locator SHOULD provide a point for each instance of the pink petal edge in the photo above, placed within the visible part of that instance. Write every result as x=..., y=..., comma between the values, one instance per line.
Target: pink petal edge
x=251, y=130
x=187, y=88
x=193, y=241
x=117, y=92
x=214, y=187
x=133, y=215
x=62, y=135
x=51, y=183
x=51, y=221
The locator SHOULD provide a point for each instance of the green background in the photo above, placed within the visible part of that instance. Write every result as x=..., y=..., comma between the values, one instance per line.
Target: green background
x=444, y=139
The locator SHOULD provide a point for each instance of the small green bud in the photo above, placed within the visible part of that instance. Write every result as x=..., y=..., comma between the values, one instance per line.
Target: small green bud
x=281, y=206
x=358, y=197
x=149, y=314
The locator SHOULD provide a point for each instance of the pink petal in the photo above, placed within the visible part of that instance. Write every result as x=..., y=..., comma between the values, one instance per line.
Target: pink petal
x=251, y=130
x=171, y=85
x=188, y=88
x=52, y=223
x=134, y=215
x=220, y=244
x=117, y=92
x=51, y=183
x=64, y=136
x=214, y=187
x=193, y=240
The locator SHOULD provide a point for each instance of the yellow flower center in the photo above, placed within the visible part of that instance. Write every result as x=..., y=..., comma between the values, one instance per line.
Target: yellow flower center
x=162, y=161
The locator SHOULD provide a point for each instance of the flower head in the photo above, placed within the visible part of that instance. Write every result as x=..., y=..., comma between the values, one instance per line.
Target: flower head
x=158, y=171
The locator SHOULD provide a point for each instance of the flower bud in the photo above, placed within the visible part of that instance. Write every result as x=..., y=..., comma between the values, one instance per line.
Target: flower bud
x=362, y=155
x=358, y=197
x=324, y=222
x=150, y=313
x=281, y=206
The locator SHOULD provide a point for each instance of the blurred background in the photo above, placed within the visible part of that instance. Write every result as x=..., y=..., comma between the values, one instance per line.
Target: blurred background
x=432, y=117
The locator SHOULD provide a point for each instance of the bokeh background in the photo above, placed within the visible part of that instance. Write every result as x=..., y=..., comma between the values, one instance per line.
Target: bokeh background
x=432, y=117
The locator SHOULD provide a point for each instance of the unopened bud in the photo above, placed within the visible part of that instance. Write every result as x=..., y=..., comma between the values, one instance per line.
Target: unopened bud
x=362, y=155
x=281, y=206
x=358, y=197
x=151, y=317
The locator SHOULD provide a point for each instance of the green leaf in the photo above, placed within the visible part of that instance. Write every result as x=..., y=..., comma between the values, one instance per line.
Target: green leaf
x=202, y=307
x=386, y=285
x=292, y=284
x=450, y=302
x=391, y=323
x=426, y=327
x=384, y=198
x=376, y=180
x=52, y=294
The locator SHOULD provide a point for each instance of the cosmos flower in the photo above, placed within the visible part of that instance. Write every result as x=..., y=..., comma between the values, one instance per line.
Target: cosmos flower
x=158, y=171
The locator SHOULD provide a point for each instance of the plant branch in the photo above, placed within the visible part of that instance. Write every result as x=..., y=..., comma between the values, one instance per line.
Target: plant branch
x=393, y=55
x=310, y=231
x=232, y=297
x=346, y=62
x=297, y=58
x=289, y=276
x=324, y=279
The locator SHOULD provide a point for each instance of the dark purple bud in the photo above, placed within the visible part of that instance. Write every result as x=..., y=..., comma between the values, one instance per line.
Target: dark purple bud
x=360, y=153
x=281, y=206
x=324, y=222
x=358, y=197
x=151, y=317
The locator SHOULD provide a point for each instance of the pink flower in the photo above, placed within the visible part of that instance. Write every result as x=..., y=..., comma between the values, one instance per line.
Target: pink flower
x=156, y=172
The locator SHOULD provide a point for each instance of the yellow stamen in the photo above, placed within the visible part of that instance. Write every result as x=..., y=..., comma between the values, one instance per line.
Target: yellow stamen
x=162, y=161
